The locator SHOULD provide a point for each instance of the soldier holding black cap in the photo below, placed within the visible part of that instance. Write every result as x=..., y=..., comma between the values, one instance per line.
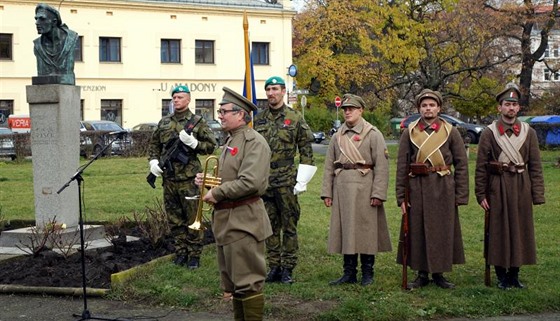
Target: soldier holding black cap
x=178, y=178
x=433, y=165
x=355, y=182
x=240, y=222
x=508, y=181
x=287, y=134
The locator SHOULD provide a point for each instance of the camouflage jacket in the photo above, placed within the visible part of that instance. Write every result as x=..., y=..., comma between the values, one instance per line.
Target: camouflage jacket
x=286, y=133
x=168, y=130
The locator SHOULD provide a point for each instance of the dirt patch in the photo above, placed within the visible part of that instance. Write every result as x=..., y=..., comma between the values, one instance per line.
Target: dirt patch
x=54, y=270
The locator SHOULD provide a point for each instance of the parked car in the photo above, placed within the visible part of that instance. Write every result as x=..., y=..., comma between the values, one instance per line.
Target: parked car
x=473, y=131
x=219, y=133
x=119, y=145
x=145, y=127
x=319, y=137
x=7, y=146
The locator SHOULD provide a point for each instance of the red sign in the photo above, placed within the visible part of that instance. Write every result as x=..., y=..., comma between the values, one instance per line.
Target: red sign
x=337, y=101
x=19, y=124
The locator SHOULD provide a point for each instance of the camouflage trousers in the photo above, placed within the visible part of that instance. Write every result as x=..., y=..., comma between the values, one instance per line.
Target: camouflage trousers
x=181, y=213
x=283, y=211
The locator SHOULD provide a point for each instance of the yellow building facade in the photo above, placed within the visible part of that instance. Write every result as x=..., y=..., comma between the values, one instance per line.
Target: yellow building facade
x=131, y=53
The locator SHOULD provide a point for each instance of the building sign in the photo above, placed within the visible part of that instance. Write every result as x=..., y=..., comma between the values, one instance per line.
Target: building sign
x=193, y=86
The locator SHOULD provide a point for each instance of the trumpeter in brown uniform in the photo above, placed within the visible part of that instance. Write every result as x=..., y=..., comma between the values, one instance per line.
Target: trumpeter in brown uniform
x=509, y=181
x=433, y=159
x=240, y=222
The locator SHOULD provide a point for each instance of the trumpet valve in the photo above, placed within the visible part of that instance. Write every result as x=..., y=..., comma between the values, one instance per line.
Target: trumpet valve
x=212, y=181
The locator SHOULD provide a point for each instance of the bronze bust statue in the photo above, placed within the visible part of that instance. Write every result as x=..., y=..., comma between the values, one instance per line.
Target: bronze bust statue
x=54, y=49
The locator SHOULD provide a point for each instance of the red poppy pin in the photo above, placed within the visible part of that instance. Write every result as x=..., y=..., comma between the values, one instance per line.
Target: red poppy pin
x=356, y=138
x=233, y=150
x=501, y=129
x=435, y=126
x=287, y=122
x=516, y=129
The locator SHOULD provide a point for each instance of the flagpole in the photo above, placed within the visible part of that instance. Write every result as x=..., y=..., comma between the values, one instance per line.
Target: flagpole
x=247, y=58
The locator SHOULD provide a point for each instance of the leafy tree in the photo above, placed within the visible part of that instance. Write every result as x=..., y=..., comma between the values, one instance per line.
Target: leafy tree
x=390, y=50
x=526, y=17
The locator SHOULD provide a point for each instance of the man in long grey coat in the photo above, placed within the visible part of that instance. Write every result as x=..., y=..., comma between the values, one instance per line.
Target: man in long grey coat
x=355, y=181
x=508, y=181
x=428, y=150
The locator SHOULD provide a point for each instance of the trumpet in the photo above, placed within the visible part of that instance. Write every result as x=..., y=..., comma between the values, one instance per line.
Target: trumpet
x=209, y=180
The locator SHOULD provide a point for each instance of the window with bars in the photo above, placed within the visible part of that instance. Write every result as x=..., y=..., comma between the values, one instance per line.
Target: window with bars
x=109, y=49
x=205, y=108
x=204, y=51
x=170, y=51
x=259, y=53
x=166, y=107
x=79, y=49
x=6, y=109
x=111, y=109
x=6, y=46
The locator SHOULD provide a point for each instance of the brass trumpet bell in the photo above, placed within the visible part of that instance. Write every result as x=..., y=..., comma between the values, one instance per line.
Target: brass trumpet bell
x=208, y=182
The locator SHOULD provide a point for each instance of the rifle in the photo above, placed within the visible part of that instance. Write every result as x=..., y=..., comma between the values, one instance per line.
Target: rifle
x=175, y=150
x=487, y=280
x=404, y=228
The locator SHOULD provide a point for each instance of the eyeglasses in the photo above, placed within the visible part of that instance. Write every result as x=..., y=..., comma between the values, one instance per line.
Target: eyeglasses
x=223, y=112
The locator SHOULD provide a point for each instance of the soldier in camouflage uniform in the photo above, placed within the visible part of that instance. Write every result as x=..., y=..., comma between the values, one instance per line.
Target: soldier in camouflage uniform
x=178, y=177
x=286, y=133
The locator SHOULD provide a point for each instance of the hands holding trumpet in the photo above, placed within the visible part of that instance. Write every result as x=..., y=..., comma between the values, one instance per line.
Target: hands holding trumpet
x=206, y=197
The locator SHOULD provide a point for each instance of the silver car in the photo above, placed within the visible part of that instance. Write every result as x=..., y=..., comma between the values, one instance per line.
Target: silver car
x=7, y=146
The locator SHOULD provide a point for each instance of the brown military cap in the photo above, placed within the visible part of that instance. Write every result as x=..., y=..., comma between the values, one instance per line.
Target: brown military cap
x=428, y=93
x=508, y=94
x=231, y=96
x=350, y=100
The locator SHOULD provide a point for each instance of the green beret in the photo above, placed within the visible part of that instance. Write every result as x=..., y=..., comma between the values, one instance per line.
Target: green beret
x=231, y=96
x=508, y=94
x=428, y=93
x=180, y=89
x=274, y=80
x=350, y=100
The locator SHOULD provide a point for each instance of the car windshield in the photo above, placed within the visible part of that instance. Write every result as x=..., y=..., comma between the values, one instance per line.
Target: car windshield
x=106, y=126
x=454, y=119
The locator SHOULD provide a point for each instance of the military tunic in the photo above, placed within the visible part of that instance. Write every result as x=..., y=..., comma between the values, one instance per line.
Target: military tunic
x=434, y=229
x=510, y=196
x=178, y=179
x=357, y=227
x=287, y=133
x=240, y=231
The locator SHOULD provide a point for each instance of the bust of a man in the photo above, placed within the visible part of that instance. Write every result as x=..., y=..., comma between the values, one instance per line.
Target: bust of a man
x=54, y=49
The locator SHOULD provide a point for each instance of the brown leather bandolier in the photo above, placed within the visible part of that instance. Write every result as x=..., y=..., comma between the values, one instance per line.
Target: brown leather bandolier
x=353, y=166
x=233, y=204
x=498, y=168
x=422, y=169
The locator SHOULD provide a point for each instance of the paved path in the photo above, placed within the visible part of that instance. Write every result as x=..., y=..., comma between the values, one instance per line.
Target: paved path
x=49, y=308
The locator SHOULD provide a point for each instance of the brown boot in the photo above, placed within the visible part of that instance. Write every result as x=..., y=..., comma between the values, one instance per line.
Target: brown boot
x=420, y=281
x=253, y=307
x=238, y=314
x=440, y=281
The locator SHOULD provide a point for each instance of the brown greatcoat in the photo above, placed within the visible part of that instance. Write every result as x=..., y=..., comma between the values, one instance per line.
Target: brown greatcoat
x=434, y=230
x=356, y=226
x=510, y=196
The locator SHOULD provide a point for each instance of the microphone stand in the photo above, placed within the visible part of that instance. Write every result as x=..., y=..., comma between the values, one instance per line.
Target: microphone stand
x=86, y=315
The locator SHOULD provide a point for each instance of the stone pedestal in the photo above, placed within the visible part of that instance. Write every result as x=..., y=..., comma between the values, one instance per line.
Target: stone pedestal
x=55, y=148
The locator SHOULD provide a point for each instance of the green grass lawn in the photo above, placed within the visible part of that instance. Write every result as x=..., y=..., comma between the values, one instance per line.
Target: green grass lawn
x=114, y=187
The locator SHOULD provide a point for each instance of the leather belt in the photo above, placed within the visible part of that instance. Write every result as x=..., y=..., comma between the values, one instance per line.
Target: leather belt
x=233, y=204
x=420, y=169
x=512, y=168
x=353, y=166
x=281, y=163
